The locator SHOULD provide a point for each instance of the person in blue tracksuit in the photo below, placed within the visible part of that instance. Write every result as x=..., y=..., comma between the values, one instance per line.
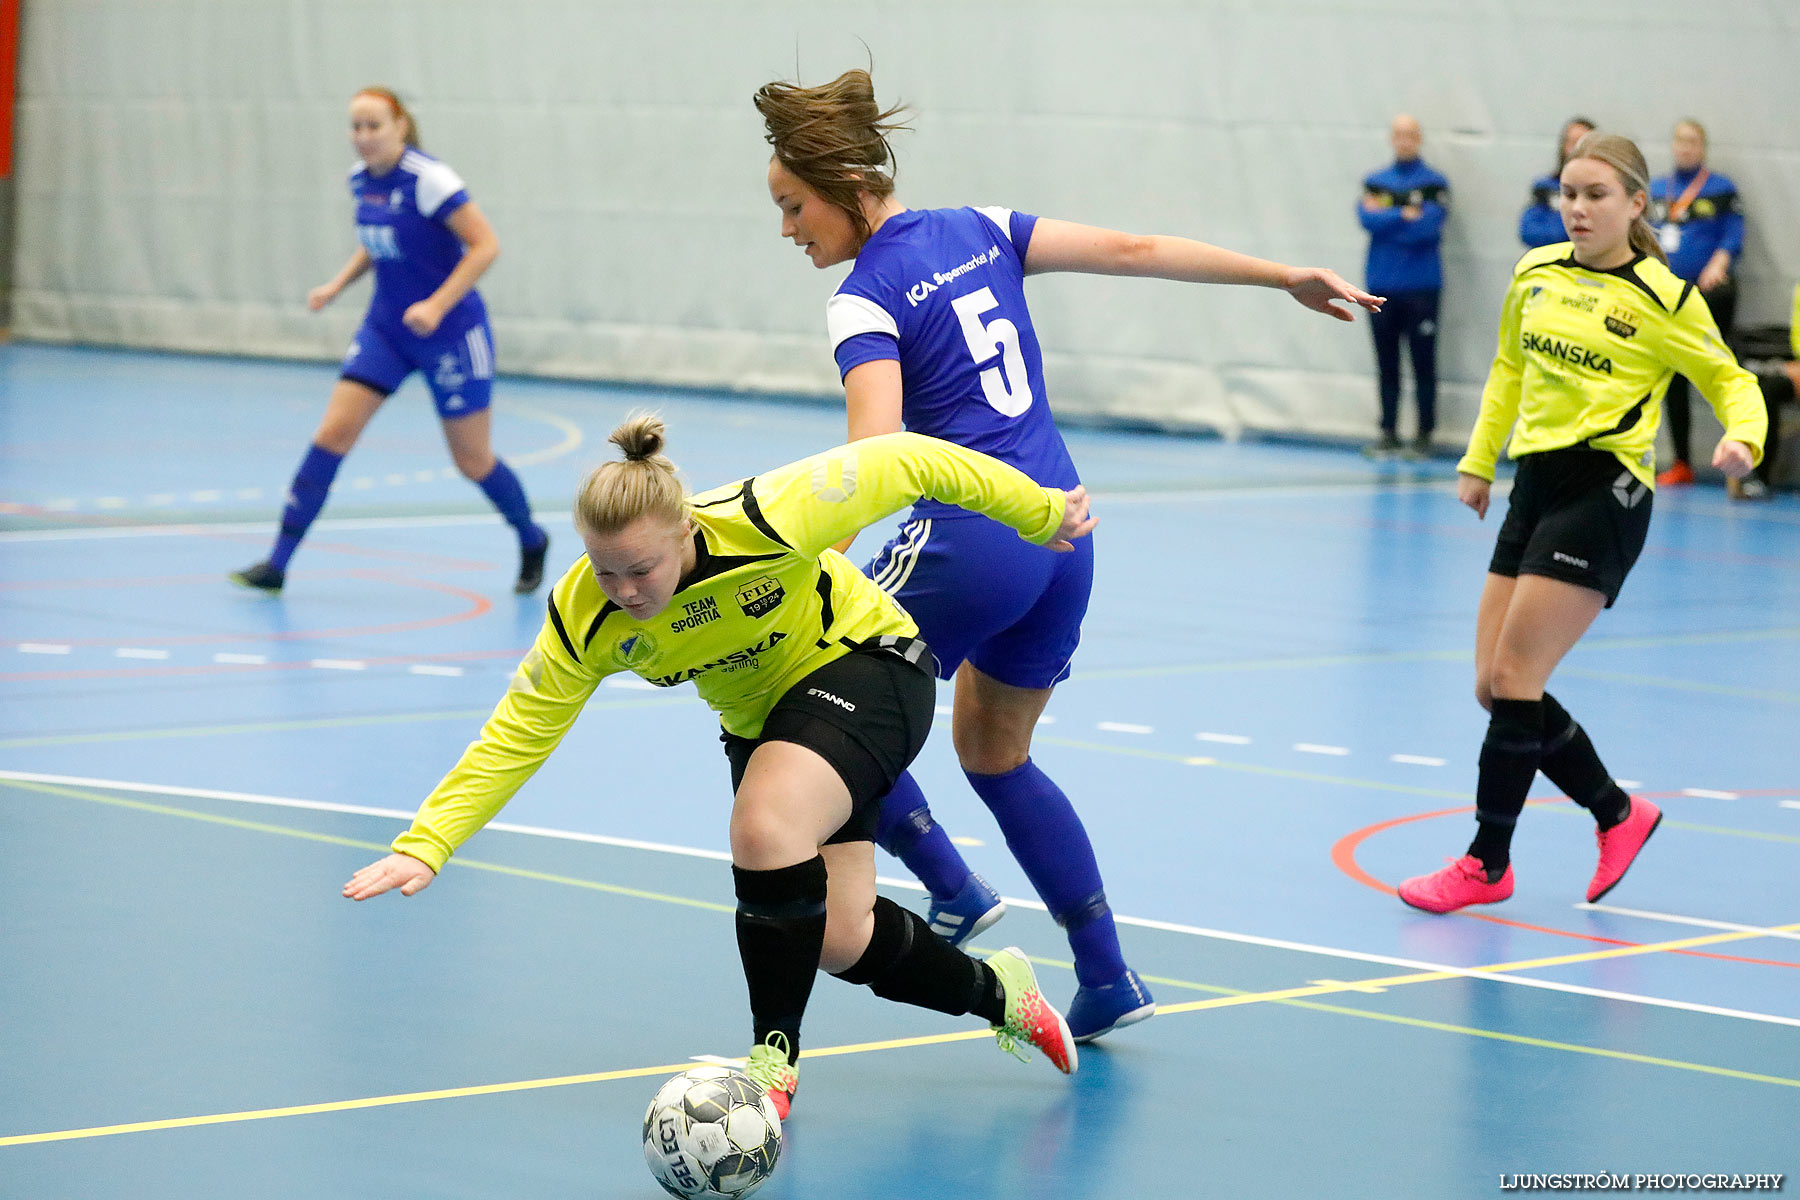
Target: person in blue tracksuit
x=1541, y=223
x=1700, y=223
x=1403, y=207
x=931, y=332
x=427, y=244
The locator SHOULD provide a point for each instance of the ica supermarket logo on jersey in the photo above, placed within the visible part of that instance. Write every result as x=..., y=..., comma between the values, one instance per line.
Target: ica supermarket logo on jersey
x=760, y=596
x=634, y=651
x=924, y=287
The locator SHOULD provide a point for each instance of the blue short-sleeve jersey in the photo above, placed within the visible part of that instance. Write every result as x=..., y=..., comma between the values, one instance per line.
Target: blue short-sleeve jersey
x=943, y=292
x=400, y=220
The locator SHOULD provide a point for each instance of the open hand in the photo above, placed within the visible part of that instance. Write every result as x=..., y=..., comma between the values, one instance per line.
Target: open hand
x=1318, y=287
x=320, y=296
x=401, y=871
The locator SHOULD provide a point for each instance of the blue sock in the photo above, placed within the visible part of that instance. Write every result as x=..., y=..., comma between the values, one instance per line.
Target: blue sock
x=306, y=496
x=906, y=831
x=503, y=489
x=1048, y=839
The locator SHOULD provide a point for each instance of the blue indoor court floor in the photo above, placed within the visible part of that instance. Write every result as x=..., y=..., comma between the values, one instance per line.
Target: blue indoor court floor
x=1270, y=723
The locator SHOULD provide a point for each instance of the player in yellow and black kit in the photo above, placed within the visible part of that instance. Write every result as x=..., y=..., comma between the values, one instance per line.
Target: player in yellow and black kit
x=1591, y=332
x=822, y=686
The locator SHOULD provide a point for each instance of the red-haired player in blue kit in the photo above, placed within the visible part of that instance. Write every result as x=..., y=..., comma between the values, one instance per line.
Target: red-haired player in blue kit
x=428, y=244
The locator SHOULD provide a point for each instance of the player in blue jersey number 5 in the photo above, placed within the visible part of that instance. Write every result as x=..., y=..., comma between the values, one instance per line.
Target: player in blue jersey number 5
x=932, y=334
x=428, y=245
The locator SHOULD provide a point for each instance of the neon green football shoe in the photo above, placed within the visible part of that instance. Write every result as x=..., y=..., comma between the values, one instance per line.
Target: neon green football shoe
x=768, y=1065
x=1030, y=1018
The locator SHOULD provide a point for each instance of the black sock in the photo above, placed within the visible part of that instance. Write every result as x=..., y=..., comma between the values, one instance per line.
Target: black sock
x=781, y=932
x=908, y=963
x=1571, y=763
x=1509, y=761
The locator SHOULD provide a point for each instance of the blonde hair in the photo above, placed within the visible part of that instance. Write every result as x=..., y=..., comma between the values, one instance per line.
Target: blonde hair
x=1627, y=162
x=401, y=112
x=644, y=485
x=834, y=138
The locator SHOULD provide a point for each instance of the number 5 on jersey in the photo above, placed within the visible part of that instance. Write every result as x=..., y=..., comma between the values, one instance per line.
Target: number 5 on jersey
x=999, y=336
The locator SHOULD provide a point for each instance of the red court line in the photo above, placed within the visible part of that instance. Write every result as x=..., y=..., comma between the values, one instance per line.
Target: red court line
x=1343, y=856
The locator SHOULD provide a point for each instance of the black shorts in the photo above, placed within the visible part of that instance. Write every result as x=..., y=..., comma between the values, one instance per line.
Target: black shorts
x=1576, y=515
x=866, y=714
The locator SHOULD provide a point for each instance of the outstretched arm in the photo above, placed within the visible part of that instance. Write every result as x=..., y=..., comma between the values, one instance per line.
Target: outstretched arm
x=1065, y=246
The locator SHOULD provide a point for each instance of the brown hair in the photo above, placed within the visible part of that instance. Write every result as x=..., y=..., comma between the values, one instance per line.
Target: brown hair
x=834, y=138
x=401, y=112
x=1627, y=162
x=1562, y=139
x=645, y=485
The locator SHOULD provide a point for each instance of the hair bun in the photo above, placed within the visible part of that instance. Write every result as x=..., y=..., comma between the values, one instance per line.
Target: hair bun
x=640, y=437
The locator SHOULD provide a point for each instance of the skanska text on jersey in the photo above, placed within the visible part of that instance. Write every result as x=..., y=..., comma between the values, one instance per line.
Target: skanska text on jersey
x=918, y=291
x=737, y=660
x=1580, y=356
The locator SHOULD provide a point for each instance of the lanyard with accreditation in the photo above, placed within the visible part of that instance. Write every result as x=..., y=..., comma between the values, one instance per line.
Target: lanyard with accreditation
x=1669, y=233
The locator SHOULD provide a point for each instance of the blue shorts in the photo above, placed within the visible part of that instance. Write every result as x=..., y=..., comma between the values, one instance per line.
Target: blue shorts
x=458, y=367
x=982, y=593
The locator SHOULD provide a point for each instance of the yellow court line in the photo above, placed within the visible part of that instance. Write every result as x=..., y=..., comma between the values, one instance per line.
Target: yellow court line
x=571, y=440
x=378, y=847
x=1298, y=997
x=1334, y=987
x=328, y=1106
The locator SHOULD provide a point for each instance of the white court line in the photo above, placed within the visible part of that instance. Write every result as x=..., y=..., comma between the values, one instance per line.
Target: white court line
x=1629, y=783
x=433, y=669
x=910, y=885
x=1701, y=922
x=1708, y=794
x=719, y=1060
x=157, y=789
x=339, y=664
x=1315, y=748
x=1229, y=739
x=257, y=527
x=1417, y=760
x=135, y=652
x=248, y=660
x=1123, y=727
x=42, y=648
x=1790, y=804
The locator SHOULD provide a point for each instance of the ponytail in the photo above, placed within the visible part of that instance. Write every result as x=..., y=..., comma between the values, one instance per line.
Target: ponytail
x=834, y=138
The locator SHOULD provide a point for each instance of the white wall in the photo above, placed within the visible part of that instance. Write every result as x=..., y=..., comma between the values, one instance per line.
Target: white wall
x=180, y=168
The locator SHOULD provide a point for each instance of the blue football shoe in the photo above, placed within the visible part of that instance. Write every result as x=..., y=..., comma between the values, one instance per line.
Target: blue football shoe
x=966, y=914
x=1097, y=1011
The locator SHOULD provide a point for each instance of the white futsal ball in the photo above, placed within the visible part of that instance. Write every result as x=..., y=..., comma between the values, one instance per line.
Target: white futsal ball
x=711, y=1132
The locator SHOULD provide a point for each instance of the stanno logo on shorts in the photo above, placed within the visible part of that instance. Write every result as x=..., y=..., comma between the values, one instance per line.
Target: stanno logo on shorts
x=1559, y=556
x=824, y=695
